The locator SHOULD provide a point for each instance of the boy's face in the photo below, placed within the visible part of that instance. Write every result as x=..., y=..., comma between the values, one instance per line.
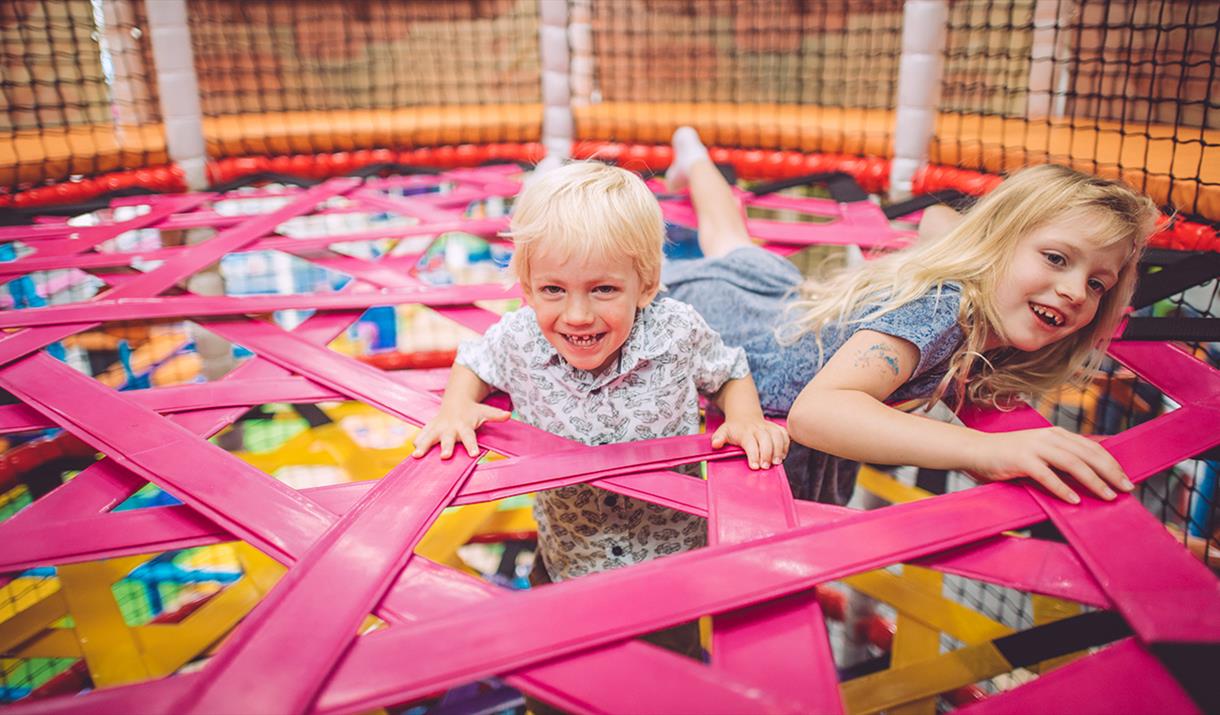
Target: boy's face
x=586, y=307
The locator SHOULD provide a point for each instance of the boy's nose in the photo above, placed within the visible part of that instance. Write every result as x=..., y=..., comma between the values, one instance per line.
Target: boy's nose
x=577, y=312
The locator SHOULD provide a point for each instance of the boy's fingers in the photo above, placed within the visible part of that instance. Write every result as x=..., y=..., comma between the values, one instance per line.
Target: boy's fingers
x=750, y=445
x=423, y=442
x=719, y=436
x=469, y=442
x=766, y=449
x=779, y=438
x=446, y=446
x=486, y=413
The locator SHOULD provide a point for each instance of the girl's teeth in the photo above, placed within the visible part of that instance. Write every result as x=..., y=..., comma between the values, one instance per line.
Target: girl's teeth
x=1045, y=315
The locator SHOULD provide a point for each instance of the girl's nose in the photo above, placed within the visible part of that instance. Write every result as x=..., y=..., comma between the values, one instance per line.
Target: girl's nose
x=1073, y=289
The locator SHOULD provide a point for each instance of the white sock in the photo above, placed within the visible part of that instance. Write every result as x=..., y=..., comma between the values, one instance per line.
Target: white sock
x=688, y=148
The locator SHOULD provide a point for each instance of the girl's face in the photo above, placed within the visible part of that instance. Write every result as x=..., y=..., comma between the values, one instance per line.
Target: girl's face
x=1054, y=284
x=586, y=308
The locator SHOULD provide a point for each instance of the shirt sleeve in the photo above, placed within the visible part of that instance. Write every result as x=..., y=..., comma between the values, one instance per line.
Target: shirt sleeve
x=928, y=322
x=713, y=362
x=487, y=355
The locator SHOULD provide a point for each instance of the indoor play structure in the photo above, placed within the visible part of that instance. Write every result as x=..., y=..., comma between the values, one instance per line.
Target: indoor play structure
x=240, y=241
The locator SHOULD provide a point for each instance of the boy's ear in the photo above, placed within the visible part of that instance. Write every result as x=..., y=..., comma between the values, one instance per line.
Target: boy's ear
x=651, y=288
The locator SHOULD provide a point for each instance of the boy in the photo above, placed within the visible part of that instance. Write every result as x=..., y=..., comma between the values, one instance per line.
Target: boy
x=595, y=359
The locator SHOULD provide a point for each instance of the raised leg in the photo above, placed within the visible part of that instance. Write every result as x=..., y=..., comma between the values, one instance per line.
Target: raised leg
x=722, y=228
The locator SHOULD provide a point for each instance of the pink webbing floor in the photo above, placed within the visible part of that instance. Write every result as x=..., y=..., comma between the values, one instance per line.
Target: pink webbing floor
x=350, y=547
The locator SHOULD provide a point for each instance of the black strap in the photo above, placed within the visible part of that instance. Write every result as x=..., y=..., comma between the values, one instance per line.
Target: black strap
x=1194, y=666
x=842, y=187
x=1193, y=330
x=1057, y=638
x=1189, y=270
x=950, y=197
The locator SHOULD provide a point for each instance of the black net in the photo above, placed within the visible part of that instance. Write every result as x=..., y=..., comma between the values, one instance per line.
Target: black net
x=1119, y=89
x=308, y=77
x=78, y=91
x=777, y=75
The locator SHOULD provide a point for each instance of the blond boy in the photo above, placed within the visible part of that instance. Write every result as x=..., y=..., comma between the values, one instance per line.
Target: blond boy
x=595, y=358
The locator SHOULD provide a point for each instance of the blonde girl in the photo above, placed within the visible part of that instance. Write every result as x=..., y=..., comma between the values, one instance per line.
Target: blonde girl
x=1017, y=298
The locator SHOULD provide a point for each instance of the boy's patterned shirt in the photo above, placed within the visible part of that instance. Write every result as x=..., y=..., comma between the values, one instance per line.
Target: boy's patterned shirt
x=670, y=357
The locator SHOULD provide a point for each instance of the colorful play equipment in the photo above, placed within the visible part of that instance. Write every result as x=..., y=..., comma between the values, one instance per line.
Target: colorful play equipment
x=241, y=240
x=774, y=548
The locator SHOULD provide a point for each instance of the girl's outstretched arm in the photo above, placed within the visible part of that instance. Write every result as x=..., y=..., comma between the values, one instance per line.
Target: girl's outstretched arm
x=841, y=411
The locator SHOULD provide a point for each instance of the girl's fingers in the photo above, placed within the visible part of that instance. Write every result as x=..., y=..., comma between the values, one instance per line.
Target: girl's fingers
x=1047, y=478
x=1084, y=473
x=447, y=445
x=720, y=436
x=1104, y=464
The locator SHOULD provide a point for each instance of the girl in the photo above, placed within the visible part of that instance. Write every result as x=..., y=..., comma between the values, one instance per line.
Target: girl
x=1018, y=297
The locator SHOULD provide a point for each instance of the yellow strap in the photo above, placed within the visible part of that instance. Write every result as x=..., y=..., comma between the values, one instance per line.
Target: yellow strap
x=931, y=609
x=925, y=679
x=915, y=641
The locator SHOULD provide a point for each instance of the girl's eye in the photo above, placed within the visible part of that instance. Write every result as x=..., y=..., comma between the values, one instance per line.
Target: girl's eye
x=1055, y=259
x=1097, y=286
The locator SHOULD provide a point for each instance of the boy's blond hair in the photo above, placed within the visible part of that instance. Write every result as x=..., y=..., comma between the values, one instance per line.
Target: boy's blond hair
x=584, y=209
x=976, y=255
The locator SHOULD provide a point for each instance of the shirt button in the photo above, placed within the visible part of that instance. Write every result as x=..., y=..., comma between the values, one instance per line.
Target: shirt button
x=611, y=500
x=617, y=551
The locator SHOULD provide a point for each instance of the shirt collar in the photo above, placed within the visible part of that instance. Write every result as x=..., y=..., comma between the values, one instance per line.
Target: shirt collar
x=644, y=342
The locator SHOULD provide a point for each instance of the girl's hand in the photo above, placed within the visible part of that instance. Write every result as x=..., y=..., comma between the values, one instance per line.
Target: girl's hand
x=456, y=423
x=765, y=443
x=1038, y=453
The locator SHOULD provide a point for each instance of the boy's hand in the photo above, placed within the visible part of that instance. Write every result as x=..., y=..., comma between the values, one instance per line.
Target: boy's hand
x=765, y=443
x=1037, y=453
x=456, y=423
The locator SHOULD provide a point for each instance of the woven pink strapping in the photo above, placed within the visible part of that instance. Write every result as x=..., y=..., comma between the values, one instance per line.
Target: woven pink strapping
x=350, y=546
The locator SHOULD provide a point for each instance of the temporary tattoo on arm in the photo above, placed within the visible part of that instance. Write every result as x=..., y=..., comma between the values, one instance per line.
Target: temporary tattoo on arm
x=878, y=354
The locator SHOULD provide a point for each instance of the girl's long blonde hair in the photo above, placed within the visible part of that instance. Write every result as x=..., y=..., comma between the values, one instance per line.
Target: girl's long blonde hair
x=976, y=255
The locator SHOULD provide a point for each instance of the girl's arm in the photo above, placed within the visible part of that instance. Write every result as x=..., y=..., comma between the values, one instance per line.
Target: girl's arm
x=765, y=443
x=461, y=413
x=841, y=412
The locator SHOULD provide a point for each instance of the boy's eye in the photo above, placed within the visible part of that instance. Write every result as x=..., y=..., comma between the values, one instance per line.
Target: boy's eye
x=605, y=290
x=1055, y=258
x=550, y=290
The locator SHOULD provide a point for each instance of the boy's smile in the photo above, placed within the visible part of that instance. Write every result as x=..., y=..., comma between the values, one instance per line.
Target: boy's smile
x=586, y=305
x=1054, y=284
